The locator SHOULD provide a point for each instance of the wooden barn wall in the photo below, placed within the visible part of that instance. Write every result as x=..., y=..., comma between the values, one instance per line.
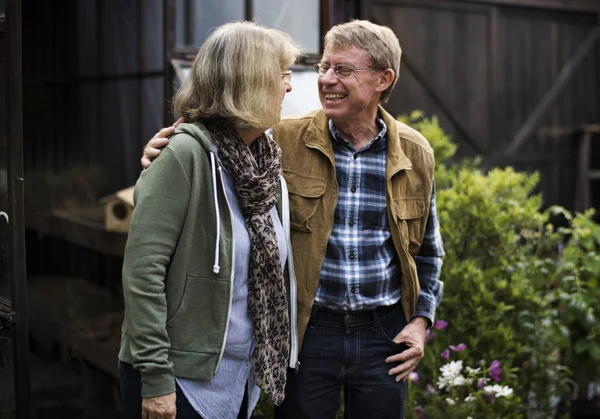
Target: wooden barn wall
x=491, y=65
x=344, y=10
x=92, y=88
x=92, y=85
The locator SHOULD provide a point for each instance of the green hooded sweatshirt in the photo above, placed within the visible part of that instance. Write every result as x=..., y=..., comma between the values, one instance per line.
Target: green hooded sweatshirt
x=178, y=266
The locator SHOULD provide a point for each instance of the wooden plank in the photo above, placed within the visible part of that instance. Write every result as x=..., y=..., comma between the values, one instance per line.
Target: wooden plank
x=495, y=74
x=78, y=228
x=582, y=187
x=249, y=9
x=96, y=340
x=595, y=128
x=442, y=103
x=168, y=47
x=594, y=175
x=557, y=87
x=590, y=6
x=450, y=5
x=17, y=264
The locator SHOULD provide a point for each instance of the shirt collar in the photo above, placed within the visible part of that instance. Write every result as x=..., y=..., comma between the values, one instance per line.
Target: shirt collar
x=339, y=138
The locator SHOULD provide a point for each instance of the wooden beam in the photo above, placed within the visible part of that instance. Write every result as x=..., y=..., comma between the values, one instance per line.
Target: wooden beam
x=447, y=5
x=249, y=10
x=566, y=73
x=582, y=188
x=142, y=61
x=589, y=6
x=16, y=236
x=495, y=76
x=442, y=103
x=168, y=47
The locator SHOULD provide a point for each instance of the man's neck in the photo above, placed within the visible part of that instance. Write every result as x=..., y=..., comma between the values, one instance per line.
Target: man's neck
x=358, y=133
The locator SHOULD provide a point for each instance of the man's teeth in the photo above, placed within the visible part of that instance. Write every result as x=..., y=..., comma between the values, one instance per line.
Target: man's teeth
x=334, y=96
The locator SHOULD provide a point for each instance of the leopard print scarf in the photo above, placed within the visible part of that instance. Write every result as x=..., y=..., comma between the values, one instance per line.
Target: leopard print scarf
x=255, y=171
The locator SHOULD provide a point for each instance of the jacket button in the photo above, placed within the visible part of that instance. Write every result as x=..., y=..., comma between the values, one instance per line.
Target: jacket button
x=353, y=289
x=351, y=223
x=351, y=255
x=353, y=189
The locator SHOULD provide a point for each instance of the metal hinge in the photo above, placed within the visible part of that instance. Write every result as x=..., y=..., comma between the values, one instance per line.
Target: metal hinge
x=9, y=317
x=7, y=323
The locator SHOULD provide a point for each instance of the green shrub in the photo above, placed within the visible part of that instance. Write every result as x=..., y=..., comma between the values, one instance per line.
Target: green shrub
x=508, y=295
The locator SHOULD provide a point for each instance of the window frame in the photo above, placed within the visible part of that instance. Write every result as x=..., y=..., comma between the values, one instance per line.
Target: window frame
x=175, y=58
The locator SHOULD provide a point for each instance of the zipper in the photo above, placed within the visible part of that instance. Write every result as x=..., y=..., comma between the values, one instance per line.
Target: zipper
x=294, y=363
x=232, y=270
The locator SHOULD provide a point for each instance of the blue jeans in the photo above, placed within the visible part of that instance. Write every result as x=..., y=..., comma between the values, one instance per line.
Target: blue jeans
x=347, y=351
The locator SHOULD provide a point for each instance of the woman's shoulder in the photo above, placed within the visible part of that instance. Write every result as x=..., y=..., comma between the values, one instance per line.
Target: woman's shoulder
x=190, y=138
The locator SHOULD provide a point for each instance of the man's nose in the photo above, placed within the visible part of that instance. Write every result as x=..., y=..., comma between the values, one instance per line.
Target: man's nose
x=329, y=77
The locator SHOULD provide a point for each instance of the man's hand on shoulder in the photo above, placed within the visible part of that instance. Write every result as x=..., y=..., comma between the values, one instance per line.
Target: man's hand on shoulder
x=413, y=336
x=157, y=143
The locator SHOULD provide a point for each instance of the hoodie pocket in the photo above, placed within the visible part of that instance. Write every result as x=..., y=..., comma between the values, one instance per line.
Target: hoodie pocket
x=200, y=321
x=305, y=193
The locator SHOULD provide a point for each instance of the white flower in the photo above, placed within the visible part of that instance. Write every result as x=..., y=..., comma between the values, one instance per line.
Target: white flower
x=458, y=381
x=449, y=382
x=450, y=401
x=505, y=392
x=451, y=369
x=443, y=383
x=498, y=391
x=473, y=370
x=470, y=398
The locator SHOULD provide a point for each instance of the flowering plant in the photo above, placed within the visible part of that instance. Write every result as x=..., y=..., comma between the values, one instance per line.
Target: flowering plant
x=498, y=271
x=458, y=390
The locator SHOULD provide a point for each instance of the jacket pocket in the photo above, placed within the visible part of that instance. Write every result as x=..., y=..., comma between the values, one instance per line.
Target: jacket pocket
x=411, y=221
x=198, y=324
x=305, y=193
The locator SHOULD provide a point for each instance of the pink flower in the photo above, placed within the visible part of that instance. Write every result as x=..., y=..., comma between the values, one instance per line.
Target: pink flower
x=420, y=412
x=413, y=377
x=430, y=391
x=459, y=348
x=445, y=354
x=429, y=336
x=495, y=370
x=440, y=325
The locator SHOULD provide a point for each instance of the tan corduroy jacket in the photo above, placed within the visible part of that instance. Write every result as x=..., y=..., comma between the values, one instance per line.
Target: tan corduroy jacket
x=309, y=169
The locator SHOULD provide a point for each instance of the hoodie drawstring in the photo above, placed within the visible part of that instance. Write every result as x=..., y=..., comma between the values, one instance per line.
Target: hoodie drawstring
x=216, y=267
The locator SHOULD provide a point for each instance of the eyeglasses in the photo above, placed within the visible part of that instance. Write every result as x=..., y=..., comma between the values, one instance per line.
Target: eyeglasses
x=287, y=76
x=341, y=71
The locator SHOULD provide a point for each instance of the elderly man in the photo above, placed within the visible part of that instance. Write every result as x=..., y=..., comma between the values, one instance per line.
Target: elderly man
x=365, y=234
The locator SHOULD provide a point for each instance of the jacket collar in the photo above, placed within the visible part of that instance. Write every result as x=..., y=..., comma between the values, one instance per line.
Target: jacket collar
x=317, y=136
x=396, y=158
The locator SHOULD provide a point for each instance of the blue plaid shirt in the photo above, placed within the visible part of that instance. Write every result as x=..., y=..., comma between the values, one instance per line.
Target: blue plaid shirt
x=361, y=270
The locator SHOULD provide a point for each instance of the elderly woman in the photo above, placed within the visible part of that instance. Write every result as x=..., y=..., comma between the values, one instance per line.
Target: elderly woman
x=208, y=311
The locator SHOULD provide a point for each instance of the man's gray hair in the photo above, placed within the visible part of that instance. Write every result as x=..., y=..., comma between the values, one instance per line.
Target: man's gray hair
x=379, y=42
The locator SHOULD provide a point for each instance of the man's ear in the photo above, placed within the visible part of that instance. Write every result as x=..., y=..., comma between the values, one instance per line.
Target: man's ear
x=386, y=79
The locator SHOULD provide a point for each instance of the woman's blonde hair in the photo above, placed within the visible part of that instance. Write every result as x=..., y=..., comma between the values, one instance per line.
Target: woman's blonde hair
x=236, y=76
x=379, y=42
